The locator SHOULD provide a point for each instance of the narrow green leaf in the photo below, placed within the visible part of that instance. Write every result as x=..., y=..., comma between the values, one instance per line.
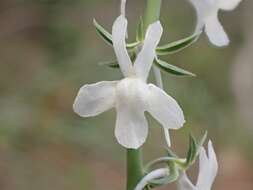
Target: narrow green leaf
x=172, y=69
x=106, y=36
x=192, y=152
x=194, y=149
x=140, y=31
x=177, y=45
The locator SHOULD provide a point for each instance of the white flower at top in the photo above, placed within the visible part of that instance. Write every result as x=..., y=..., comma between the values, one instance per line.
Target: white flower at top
x=208, y=168
x=207, y=13
x=131, y=96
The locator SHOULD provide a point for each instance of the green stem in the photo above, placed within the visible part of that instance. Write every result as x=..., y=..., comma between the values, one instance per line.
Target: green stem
x=134, y=157
x=152, y=11
x=134, y=168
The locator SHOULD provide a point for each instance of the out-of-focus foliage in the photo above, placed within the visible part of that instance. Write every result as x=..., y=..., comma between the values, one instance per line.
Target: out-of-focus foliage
x=49, y=49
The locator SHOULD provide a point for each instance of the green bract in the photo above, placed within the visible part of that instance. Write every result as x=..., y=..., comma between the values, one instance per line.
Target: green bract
x=172, y=69
x=183, y=163
x=169, y=48
x=103, y=33
x=177, y=46
x=174, y=163
x=192, y=151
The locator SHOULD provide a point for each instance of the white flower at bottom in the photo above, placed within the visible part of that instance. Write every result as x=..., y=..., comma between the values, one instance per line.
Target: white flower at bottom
x=131, y=96
x=208, y=168
x=207, y=12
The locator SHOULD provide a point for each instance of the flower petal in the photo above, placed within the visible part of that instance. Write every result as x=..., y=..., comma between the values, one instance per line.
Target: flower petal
x=184, y=183
x=203, y=168
x=119, y=30
x=228, y=4
x=208, y=168
x=131, y=127
x=213, y=162
x=146, y=57
x=164, y=108
x=94, y=99
x=215, y=31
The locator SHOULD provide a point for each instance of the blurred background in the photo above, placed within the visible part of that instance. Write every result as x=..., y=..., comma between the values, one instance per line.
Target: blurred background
x=49, y=49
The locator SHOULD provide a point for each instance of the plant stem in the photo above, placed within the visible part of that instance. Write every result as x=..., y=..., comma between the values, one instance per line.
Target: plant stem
x=134, y=157
x=134, y=168
x=152, y=11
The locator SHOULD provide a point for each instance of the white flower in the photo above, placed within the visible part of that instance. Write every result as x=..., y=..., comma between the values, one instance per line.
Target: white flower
x=208, y=168
x=207, y=13
x=131, y=96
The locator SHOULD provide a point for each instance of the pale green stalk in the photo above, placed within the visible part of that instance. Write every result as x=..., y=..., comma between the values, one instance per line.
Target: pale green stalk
x=134, y=168
x=152, y=11
x=134, y=157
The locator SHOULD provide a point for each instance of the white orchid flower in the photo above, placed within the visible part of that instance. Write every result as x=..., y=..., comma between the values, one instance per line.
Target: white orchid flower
x=208, y=168
x=207, y=13
x=131, y=96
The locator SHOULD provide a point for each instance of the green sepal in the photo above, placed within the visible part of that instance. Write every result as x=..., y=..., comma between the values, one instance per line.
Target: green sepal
x=172, y=69
x=192, y=151
x=177, y=46
x=107, y=37
x=140, y=31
